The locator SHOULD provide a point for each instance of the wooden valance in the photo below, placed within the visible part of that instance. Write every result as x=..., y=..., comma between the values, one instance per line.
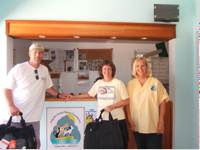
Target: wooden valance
x=40, y=29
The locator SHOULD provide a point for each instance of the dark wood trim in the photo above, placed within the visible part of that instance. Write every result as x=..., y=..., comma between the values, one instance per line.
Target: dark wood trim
x=167, y=138
x=92, y=54
x=33, y=29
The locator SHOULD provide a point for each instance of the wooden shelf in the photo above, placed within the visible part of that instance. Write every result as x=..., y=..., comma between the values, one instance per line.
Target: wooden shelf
x=92, y=54
x=46, y=63
x=52, y=74
x=55, y=74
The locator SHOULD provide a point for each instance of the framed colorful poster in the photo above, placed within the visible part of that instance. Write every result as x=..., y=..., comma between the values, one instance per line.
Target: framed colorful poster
x=65, y=127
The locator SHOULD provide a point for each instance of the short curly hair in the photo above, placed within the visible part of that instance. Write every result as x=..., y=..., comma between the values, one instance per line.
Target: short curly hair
x=109, y=63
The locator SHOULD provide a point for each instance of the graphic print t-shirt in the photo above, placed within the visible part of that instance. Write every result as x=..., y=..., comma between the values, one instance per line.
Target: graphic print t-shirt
x=107, y=94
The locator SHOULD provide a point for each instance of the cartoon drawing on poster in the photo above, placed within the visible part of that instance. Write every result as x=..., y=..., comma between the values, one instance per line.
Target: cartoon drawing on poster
x=65, y=127
x=90, y=116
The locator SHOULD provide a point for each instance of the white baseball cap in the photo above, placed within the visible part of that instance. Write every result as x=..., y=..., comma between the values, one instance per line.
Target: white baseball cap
x=36, y=46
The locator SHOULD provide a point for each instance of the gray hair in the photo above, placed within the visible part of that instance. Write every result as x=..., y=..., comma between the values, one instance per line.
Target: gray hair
x=36, y=46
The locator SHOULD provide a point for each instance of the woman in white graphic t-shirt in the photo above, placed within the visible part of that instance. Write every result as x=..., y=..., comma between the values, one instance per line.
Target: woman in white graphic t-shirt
x=112, y=96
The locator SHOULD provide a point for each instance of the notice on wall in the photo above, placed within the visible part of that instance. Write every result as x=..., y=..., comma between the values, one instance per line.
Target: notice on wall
x=65, y=127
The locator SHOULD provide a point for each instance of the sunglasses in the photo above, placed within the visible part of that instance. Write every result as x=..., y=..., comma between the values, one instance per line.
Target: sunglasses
x=36, y=74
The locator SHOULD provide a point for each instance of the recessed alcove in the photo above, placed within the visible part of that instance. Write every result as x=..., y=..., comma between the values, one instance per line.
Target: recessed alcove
x=70, y=35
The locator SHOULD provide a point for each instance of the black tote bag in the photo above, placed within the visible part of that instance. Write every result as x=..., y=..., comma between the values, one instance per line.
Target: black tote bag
x=103, y=134
x=24, y=135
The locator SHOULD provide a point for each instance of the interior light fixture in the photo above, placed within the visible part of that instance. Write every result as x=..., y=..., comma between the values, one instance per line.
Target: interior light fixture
x=42, y=36
x=113, y=37
x=144, y=38
x=76, y=37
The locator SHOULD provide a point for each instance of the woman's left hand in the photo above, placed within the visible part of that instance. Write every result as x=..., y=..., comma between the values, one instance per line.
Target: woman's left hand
x=109, y=108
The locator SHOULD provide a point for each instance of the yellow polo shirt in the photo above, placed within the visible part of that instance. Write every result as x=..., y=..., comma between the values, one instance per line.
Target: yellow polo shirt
x=144, y=103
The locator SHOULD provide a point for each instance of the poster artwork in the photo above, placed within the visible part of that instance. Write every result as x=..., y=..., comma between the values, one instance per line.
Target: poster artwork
x=90, y=116
x=65, y=127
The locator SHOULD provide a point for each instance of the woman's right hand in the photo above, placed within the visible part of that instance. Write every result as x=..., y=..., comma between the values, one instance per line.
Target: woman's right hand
x=14, y=111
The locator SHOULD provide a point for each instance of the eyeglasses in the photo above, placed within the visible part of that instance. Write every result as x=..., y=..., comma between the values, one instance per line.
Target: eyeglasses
x=36, y=74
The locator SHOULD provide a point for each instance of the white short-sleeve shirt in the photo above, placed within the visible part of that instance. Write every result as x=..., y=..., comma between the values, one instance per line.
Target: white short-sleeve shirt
x=28, y=92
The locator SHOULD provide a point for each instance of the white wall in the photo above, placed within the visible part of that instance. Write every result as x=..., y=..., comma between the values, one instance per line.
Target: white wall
x=21, y=50
x=123, y=52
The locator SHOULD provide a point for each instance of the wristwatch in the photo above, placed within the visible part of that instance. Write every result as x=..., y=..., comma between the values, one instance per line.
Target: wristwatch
x=57, y=96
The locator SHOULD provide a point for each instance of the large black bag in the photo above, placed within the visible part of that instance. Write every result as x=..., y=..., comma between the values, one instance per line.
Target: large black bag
x=25, y=134
x=103, y=134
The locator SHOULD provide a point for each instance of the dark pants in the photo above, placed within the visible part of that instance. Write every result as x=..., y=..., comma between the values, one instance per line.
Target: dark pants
x=148, y=141
x=124, y=132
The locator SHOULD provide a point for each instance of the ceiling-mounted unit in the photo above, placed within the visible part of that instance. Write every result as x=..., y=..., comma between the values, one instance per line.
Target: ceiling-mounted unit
x=166, y=13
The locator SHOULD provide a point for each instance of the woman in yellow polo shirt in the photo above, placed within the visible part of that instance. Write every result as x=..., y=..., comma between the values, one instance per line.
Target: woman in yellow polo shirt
x=147, y=106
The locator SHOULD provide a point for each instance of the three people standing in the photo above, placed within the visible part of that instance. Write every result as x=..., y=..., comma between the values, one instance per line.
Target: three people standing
x=27, y=83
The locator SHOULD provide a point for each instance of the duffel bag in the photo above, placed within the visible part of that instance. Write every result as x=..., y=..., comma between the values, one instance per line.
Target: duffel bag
x=103, y=134
x=23, y=136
